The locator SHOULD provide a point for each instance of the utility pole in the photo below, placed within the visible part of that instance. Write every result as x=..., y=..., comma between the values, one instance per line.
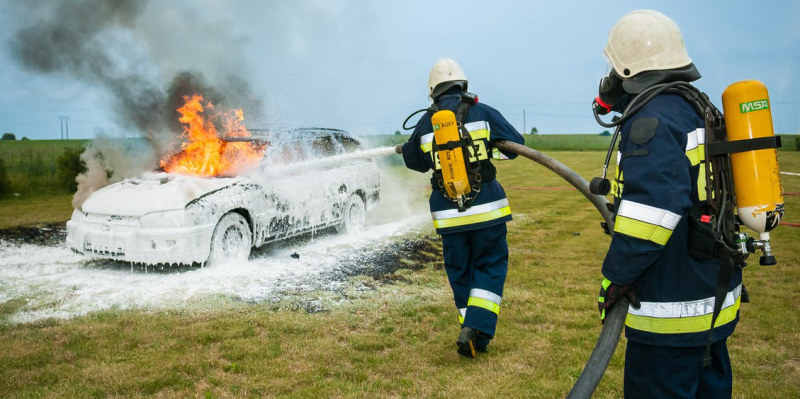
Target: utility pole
x=64, y=124
x=524, y=123
x=61, y=125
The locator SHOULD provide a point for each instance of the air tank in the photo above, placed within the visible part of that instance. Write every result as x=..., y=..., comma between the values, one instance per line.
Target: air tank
x=454, y=168
x=756, y=175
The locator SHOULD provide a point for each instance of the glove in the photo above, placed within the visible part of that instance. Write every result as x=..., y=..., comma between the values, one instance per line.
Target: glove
x=610, y=91
x=610, y=293
x=399, y=149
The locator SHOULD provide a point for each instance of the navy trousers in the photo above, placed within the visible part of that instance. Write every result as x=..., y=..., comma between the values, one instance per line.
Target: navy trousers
x=665, y=372
x=476, y=263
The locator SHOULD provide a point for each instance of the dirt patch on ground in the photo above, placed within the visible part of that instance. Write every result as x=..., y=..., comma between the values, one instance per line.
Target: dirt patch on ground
x=48, y=235
x=357, y=273
x=411, y=254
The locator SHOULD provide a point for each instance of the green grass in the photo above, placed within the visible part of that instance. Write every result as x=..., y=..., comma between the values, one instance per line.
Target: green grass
x=39, y=210
x=398, y=341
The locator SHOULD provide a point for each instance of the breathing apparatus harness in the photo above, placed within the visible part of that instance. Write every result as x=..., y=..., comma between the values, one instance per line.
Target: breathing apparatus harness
x=478, y=172
x=714, y=227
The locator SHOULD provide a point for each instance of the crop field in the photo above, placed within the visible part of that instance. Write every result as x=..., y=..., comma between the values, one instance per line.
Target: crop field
x=394, y=336
x=32, y=165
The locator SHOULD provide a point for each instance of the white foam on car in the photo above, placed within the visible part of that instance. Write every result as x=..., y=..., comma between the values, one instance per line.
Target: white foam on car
x=54, y=282
x=151, y=193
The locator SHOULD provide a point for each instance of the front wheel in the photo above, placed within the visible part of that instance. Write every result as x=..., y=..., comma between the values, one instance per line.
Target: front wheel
x=231, y=239
x=354, y=215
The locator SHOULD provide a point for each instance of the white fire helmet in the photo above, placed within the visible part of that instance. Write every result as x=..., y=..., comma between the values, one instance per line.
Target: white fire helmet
x=645, y=40
x=445, y=70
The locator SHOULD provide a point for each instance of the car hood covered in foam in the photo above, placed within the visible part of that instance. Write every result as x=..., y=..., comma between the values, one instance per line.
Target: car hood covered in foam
x=152, y=192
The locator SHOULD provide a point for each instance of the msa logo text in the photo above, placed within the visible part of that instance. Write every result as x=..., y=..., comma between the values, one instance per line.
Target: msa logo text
x=753, y=106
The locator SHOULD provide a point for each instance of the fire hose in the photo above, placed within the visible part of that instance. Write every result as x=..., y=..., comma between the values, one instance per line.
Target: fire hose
x=615, y=320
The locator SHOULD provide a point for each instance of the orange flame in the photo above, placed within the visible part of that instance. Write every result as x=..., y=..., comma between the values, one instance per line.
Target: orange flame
x=204, y=153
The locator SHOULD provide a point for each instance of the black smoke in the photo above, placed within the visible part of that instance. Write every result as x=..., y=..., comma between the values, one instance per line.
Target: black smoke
x=97, y=42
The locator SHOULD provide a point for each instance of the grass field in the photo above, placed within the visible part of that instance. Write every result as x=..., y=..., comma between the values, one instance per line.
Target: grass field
x=398, y=340
x=40, y=210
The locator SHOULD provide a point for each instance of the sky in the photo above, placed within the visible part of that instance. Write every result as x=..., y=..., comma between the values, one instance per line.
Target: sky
x=363, y=65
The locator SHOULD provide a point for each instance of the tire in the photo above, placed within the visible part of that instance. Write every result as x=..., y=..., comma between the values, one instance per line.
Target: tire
x=231, y=240
x=354, y=215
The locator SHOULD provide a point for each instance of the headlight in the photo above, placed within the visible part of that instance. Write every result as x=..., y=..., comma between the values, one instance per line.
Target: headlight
x=164, y=219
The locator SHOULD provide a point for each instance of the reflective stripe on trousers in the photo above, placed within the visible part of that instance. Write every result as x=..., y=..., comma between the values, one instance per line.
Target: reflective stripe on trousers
x=484, y=299
x=683, y=317
x=475, y=214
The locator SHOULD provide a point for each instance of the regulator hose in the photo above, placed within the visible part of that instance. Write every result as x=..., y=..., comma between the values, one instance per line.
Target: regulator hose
x=615, y=319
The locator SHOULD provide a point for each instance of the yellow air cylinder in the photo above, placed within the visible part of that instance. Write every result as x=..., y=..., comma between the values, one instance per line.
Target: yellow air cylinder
x=454, y=168
x=756, y=176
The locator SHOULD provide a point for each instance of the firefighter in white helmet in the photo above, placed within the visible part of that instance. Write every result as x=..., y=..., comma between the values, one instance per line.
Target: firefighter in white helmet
x=660, y=200
x=473, y=233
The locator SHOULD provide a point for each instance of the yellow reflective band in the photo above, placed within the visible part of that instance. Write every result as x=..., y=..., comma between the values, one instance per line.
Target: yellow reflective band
x=701, y=183
x=696, y=155
x=481, y=134
x=642, y=230
x=680, y=325
x=426, y=141
x=648, y=214
x=472, y=219
x=601, y=299
x=478, y=126
x=460, y=319
x=606, y=282
x=483, y=303
x=497, y=154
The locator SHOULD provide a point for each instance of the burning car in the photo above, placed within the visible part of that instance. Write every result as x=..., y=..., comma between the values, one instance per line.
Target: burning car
x=177, y=218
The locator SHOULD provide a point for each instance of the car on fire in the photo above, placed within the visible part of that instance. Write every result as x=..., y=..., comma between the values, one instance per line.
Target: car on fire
x=164, y=218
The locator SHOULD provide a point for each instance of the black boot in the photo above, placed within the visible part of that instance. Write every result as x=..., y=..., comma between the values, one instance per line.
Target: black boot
x=466, y=342
x=482, y=342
